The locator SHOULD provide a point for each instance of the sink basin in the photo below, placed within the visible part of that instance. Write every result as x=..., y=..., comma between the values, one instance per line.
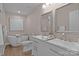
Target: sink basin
x=42, y=37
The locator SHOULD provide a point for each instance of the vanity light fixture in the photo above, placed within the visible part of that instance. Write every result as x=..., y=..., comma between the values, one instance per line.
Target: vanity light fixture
x=19, y=11
x=48, y=3
x=45, y=5
x=62, y=33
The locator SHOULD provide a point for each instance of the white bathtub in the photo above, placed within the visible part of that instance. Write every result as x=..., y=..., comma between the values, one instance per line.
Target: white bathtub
x=15, y=41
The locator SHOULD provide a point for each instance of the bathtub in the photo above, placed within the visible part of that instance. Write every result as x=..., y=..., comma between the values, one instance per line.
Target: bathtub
x=16, y=40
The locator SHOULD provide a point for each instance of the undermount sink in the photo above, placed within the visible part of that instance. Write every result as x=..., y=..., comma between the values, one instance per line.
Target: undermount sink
x=46, y=38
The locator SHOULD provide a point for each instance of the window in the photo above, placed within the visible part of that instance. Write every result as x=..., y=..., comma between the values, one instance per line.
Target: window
x=16, y=23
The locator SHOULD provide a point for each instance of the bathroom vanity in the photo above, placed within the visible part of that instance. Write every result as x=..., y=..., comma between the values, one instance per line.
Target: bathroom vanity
x=54, y=47
x=40, y=47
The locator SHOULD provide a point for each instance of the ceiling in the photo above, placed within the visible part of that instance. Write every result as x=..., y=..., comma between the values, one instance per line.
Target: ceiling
x=24, y=8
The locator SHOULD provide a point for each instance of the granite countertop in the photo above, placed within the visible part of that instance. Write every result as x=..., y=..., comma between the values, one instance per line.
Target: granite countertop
x=74, y=46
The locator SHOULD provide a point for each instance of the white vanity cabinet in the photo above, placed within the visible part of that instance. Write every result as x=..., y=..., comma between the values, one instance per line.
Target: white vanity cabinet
x=45, y=51
x=42, y=48
x=55, y=47
x=34, y=49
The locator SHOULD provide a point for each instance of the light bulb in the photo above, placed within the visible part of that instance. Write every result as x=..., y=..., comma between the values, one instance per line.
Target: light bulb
x=43, y=6
x=19, y=11
x=62, y=33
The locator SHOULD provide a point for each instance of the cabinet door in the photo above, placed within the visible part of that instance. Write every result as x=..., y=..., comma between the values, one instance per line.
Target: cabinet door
x=34, y=49
x=43, y=51
x=57, y=49
x=53, y=52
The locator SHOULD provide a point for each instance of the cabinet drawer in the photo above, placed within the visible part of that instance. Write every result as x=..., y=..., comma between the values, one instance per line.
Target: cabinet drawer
x=59, y=50
x=53, y=53
x=39, y=42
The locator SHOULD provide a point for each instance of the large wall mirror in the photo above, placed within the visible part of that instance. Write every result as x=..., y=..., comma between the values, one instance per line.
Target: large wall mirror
x=46, y=22
x=67, y=18
x=74, y=21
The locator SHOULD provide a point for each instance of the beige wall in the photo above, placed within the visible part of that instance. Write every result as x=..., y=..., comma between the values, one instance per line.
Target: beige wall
x=2, y=18
x=32, y=24
x=2, y=15
x=1, y=8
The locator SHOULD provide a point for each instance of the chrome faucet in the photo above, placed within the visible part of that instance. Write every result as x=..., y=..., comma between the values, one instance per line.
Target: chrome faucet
x=52, y=34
